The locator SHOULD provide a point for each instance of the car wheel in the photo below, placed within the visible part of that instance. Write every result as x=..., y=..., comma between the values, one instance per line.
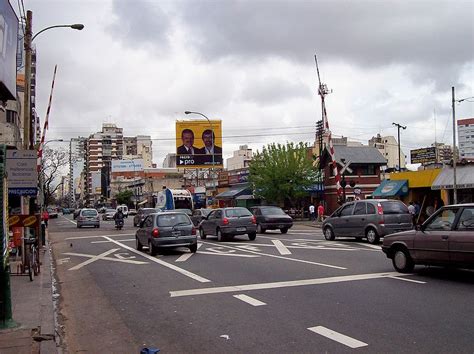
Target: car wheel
x=358, y=239
x=138, y=245
x=329, y=234
x=284, y=230
x=220, y=236
x=193, y=248
x=372, y=236
x=402, y=261
x=153, y=250
x=260, y=229
x=252, y=236
x=78, y=226
x=202, y=234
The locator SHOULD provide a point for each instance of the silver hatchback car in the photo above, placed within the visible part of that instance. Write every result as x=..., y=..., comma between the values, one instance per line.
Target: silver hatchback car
x=88, y=217
x=228, y=222
x=370, y=218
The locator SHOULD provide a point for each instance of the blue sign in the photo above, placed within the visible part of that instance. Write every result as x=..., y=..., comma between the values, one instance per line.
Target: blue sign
x=23, y=191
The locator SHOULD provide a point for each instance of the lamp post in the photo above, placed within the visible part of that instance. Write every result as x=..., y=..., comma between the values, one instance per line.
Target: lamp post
x=212, y=137
x=453, y=101
x=27, y=42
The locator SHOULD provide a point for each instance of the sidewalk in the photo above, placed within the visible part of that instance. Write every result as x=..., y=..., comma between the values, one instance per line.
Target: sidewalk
x=309, y=223
x=32, y=306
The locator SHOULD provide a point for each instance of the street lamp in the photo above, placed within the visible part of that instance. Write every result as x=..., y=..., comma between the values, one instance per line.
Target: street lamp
x=28, y=41
x=453, y=101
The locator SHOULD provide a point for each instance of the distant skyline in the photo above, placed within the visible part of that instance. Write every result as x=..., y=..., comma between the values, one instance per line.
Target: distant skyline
x=141, y=64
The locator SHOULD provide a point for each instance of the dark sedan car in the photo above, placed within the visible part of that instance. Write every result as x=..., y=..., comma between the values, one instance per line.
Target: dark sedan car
x=141, y=215
x=446, y=238
x=166, y=230
x=228, y=222
x=199, y=215
x=271, y=218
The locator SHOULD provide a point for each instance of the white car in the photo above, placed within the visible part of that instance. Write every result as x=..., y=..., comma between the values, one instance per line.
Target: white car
x=124, y=210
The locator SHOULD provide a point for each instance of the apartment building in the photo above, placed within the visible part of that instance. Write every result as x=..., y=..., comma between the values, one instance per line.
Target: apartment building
x=139, y=147
x=388, y=147
x=466, y=138
x=240, y=159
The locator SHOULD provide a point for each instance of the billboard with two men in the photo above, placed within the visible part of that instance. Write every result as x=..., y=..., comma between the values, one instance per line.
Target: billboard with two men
x=199, y=143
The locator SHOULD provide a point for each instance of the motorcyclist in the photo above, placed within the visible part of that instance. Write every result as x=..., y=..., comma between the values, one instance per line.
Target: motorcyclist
x=118, y=217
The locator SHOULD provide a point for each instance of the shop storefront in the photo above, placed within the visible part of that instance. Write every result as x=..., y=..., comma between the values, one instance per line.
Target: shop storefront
x=444, y=184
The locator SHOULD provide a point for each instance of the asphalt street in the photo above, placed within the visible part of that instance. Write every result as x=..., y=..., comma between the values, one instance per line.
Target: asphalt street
x=294, y=293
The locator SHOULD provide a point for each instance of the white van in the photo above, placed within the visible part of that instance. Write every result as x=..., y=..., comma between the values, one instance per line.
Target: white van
x=124, y=210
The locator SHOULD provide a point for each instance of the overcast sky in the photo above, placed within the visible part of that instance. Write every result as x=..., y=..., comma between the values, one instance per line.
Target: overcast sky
x=141, y=64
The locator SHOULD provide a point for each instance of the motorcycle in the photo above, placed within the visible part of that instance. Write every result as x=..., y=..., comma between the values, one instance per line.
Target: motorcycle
x=119, y=224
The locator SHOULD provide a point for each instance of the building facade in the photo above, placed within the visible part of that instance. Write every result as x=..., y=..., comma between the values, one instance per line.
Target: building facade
x=240, y=159
x=139, y=146
x=388, y=147
x=466, y=138
x=170, y=160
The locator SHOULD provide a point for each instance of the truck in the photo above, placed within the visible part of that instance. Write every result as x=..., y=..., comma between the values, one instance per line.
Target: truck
x=172, y=199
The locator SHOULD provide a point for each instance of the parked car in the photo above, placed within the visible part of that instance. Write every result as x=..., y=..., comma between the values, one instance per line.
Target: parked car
x=88, y=217
x=142, y=214
x=199, y=214
x=271, y=218
x=228, y=222
x=75, y=214
x=132, y=212
x=66, y=211
x=53, y=213
x=108, y=214
x=166, y=230
x=370, y=218
x=188, y=212
x=445, y=239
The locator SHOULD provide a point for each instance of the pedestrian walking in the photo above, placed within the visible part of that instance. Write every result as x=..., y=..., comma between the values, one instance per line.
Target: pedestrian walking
x=412, y=210
x=45, y=217
x=321, y=212
x=312, y=214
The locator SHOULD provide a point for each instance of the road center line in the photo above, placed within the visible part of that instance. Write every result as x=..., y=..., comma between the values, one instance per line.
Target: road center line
x=280, y=257
x=249, y=300
x=97, y=236
x=338, y=337
x=281, y=247
x=126, y=240
x=71, y=221
x=283, y=284
x=159, y=261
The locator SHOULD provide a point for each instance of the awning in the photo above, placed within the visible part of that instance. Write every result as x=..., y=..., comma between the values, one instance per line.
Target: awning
x=464, y=178
x=234, y=192
x=391, y=189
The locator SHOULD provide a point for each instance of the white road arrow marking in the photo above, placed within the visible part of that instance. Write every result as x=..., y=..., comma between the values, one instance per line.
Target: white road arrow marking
x=124, y=255
x=186, y=256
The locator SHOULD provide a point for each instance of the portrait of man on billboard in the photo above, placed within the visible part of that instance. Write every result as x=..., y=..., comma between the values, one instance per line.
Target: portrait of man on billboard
x=187, y=148
x=209, y=139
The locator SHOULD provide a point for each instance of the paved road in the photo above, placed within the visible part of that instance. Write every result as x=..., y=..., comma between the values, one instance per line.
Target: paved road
x=280, y=293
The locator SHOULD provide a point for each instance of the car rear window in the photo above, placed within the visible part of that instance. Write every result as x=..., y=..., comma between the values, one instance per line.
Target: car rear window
x=110, y=211
x=235, y=213
x=272, y=211
x=89, y=213
x=394, y=208
x=170, y=220
x=149, y=211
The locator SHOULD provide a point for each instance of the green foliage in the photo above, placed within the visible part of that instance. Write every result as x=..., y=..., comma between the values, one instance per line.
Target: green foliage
x=283, y=172
x=124, y=197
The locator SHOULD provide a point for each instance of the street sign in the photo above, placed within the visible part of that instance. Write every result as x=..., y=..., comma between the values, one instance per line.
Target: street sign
x=22, y=174
x=345, y=167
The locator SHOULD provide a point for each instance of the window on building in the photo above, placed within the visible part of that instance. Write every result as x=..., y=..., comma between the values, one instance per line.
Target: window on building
x=11, y=116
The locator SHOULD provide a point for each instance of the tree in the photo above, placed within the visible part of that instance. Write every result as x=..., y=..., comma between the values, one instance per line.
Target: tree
x=54, y=162
x=124, y=197
x=282, y=173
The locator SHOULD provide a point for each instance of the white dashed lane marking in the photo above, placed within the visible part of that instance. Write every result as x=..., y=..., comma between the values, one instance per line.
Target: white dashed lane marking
x=338, y=337
x=249, y=300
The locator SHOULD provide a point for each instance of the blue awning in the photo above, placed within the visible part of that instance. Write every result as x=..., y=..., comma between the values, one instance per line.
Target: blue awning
x=391, y=189
x=235, y=192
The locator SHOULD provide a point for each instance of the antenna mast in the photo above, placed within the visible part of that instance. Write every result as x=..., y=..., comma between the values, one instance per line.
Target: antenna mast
x=323, y=91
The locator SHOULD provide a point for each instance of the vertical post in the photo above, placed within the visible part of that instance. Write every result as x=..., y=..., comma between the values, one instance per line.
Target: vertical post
x=399, y=150
x=27, y=93
x=455, y=191
x=71, y=171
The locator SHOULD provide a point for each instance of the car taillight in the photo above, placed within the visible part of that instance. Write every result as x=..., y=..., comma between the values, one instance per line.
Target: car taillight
x=193, y=231
x=225, y=221
x=80, y=218
x=155, y=233
x=254, y=221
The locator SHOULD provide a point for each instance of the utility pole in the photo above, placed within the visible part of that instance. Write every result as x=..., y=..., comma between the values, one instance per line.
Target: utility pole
x=399, y=151
x=455, y=190
x=27, y=93
x=71, y=171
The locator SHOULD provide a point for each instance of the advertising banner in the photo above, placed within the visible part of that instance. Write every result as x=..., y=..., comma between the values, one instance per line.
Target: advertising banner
x=22, y=172
x=8, y=44
x=199, y=144
x=423, y=156
x=127, y=165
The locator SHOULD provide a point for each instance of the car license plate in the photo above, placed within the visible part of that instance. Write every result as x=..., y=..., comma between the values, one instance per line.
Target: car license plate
x=241, y=229
x=176, y=233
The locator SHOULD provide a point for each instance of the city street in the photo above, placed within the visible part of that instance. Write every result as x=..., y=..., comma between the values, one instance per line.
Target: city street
x=280, y=293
